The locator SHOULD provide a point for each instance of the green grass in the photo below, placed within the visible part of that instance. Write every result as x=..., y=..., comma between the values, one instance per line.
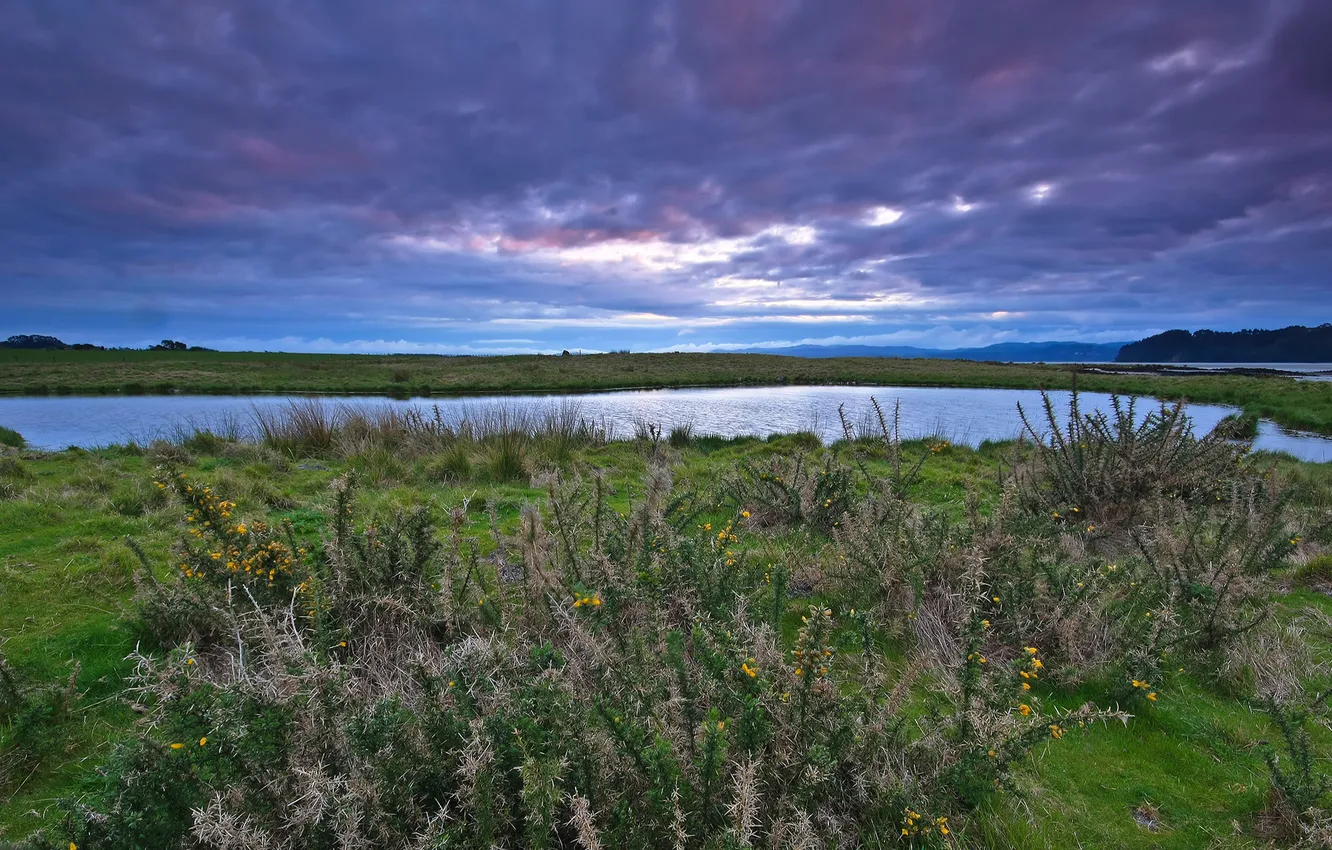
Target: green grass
x=67, y=576
x=1295, y=404
x=10, y=437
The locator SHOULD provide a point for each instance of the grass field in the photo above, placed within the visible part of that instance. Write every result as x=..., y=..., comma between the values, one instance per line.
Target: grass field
x=1186, y=771
x=1301, y=405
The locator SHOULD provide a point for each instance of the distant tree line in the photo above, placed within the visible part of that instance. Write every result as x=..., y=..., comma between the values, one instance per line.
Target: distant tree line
x=1295, y=344
x=39, y=342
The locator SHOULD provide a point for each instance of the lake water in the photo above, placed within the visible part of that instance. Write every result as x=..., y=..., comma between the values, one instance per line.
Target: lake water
x=960, y=415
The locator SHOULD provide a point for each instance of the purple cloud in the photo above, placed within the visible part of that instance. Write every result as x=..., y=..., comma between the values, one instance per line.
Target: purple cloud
x=709, y=172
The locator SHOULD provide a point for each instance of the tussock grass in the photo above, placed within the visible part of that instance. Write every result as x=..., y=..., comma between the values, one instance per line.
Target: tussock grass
x=318, y=428
x=10, y=437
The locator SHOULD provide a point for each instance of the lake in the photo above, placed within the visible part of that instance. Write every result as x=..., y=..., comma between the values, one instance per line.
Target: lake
x=961, y=415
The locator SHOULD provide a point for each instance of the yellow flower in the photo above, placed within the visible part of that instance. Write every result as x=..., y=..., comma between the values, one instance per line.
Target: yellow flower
x=721, y=724
x=1152, y=696
x=241, y=529
x=744, y=514
x=203, y=741
x=1024, y=709
x=176, y=746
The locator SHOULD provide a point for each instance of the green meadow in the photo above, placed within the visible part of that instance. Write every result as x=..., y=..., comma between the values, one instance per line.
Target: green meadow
x=674, y=639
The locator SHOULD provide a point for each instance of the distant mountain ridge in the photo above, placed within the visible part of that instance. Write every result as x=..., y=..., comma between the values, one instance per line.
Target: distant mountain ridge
x=1295, y=344
x=1008, y=352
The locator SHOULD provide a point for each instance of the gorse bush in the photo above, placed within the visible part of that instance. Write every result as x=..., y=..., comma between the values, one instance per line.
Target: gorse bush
x=1298, y=789
x=602, y=678
x=28, y=713
x=1106, y=467
x=785, y=491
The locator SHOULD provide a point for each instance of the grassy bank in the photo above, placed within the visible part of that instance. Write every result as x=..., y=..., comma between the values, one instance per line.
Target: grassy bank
x=549, y=546
x=1302, y=405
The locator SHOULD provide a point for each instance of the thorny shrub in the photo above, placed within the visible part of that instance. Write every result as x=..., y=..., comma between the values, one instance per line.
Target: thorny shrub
x=28, y=713
x=1298, y=797
x=597, y=680
x=1104, y=468
x=782, y=491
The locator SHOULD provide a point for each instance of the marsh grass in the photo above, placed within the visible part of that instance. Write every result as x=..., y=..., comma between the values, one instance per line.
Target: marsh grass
x=1295, y=404
x=14, y=477
x=681, y=435
x=504, y=433
x=10, y=437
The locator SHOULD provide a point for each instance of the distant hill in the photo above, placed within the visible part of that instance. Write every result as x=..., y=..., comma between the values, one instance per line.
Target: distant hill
x=1295, y=344
x=34, y=342
x=39, y=342
x=1007, y=352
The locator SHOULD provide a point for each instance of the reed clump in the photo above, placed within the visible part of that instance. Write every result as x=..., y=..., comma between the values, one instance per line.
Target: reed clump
x=499, y=438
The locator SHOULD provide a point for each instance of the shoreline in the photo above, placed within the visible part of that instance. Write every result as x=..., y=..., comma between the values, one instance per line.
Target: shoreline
x=1304, y=405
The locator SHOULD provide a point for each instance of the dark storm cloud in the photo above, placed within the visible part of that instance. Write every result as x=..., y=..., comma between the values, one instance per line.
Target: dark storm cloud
x=738, y=169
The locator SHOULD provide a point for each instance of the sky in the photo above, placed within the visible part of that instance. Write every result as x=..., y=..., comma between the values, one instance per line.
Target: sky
x=498, y=176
